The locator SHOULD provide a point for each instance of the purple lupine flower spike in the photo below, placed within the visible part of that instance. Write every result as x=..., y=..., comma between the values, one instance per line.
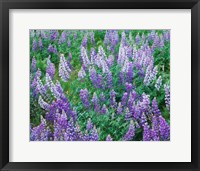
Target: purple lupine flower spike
x=84, y=42
x=59, y=87
x=40, y=43
x=155, y=109
x=93, y=56
x=158, y=83
x=102, y=97
x=50, y=68
x=62, y=37
x=111, y=39
x=95, y=102
x=143, y=119
x=144, y=104
x=64, y=69
x=40, y=87
x=124, y=99
x=167, y=96
x=113, y=102
x=34, y=45
x=81, y=73
x=109, y=80
x=41, y=132
x=44, y=34
x=92, y=37
x=33, y=65
x=94, y=134
x=128, y=114
x=129, y=75
x=164, y=129
x=100, y=82
x=52, y=87
x=37, y=75
x=44, y=105
x=129, y=87
x=121, y=78
x=84, y=95
x=130, y=133
x=109, y=138
x=52, y=49
x=119, y=109
x=104, y=109
x=162, y=42
x=54, y=35
x=155, y=128
x=143, y=38
x=123, y=39
x=130, y=102
x=146, y=132
x=89, y=125
x=110, y=60
x=58, y=106
x=93, y=77
x=137, y=39
x=84, y=57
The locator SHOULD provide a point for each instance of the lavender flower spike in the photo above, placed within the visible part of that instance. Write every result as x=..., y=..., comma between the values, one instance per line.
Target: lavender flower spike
x=158, y=83
x=124, y=99
x=130, y=133
x=155, y=128
x=109, y=80
x=167, y=96
x=89, y=125
x=93, y=76
x=41, y=132
x=104, y=109
x=81, y=73
x=50, y=68
x=84, y=57
x=64, y=69
x=40, y=87
x=164, y=129
x=119, y=109
x=113, y=102
x=102, y=97
x=128, y=115
x=33, y=64
x=85, y=40
x=52, y=87
x=129, y=87
x=155, y=108
x=94, y=134
x=95, y=102
x=84, y=95
x=44, y=105
x=109, y=138
x=34, y=45
x=146, y=132
x=40, y=43
x=62, y=37
x=53, y=34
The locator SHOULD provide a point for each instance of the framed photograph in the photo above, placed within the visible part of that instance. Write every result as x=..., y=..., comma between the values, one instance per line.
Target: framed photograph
x=100, y=85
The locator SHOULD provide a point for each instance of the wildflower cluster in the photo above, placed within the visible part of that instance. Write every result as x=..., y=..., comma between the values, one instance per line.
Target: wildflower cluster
x=100, y=85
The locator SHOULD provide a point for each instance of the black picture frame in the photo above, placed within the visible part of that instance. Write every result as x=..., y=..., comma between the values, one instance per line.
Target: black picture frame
x=5, y=5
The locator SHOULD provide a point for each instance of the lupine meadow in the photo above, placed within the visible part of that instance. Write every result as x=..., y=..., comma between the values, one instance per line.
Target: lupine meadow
x=99, y=85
